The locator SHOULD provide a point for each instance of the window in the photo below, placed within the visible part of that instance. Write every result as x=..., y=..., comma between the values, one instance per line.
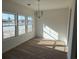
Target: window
x=12, y=26
x=8, y=25
x=29, y=24
x=21, y=24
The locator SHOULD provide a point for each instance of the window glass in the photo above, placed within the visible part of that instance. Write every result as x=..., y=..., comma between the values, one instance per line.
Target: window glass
x=29, y=24
x=21, y=24
x=8, y=22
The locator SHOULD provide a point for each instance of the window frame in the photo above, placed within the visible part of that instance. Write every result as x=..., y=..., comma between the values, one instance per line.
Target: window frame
x=18, y=24
x=31, y=24
x=16, y=34
x=7, y=12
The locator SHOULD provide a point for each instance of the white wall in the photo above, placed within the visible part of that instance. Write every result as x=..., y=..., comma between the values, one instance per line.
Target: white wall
x=57, y=20
x=10, y=6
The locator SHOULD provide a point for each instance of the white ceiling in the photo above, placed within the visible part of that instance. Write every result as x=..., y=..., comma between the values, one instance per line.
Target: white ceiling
x=45, y=4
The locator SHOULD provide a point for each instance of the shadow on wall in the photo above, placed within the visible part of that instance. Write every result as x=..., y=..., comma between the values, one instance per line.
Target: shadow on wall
x=49, y=33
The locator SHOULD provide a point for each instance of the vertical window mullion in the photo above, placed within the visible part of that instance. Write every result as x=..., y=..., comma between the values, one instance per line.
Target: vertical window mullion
x=16, y=25
x=26, y=24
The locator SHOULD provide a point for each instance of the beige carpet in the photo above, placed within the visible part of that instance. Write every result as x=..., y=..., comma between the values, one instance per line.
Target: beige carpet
x=38, y=49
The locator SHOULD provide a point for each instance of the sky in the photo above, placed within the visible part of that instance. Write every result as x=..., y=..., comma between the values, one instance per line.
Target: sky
x=12, y=16
x=6, y=16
